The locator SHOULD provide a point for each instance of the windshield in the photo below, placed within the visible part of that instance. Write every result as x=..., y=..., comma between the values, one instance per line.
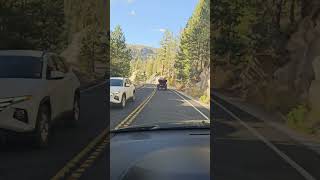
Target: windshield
x=20, y=67
x=166, y=90
x=116, y=82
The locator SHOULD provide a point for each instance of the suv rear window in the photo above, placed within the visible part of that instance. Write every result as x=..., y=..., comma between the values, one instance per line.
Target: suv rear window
x=116, y=82
x=20, y=67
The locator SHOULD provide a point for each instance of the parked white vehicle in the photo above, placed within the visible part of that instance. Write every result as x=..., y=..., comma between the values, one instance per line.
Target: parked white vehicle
x=121, y=90
x=36, y=88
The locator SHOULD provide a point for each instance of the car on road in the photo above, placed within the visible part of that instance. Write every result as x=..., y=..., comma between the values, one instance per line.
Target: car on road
x=157, y=151
x=36, y=89
x=121, y=90
x=162, y=84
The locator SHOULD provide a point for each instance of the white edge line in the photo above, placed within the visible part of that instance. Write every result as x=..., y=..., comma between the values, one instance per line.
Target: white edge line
x=92, y=87
x=191, y=105
x=296, y=166
x=298, y=138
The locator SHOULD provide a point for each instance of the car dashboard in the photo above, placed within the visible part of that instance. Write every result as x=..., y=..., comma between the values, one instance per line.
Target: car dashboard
x=161, y=154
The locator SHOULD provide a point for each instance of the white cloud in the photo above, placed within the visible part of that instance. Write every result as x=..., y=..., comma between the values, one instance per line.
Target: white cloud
x=122, y=1
x=133, y=13
x=159, y=30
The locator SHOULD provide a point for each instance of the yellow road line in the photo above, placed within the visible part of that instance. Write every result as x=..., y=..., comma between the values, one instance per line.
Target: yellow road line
x=135, y=112
x=72, y=163
x=140, y=109
x=99, y=148
x=95, y=143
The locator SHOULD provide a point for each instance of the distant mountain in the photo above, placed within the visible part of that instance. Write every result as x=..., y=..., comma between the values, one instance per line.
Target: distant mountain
x=142, y=51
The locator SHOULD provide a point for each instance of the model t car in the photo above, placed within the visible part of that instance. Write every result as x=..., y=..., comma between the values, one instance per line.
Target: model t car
x=162, y=84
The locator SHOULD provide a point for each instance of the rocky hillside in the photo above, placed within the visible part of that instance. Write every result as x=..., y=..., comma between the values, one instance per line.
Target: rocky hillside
x=284, y=80
x=142, y=51
x=85, y=22
x=82, y=14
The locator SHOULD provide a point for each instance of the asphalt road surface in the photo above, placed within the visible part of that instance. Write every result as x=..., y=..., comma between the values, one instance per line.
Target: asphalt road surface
x=164, y=106
x=246, y=148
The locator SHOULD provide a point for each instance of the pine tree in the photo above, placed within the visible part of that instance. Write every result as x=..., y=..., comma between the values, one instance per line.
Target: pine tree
x=120, y=54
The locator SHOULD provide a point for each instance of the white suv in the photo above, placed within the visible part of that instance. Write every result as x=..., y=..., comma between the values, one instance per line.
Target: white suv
x=121, y=89
x=35, y=89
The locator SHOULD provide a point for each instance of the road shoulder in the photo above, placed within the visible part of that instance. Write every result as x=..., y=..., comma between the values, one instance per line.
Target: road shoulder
x=274, y=120
x=207, y=106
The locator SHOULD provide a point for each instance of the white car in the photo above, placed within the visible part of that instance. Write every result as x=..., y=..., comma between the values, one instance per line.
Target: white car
x=36, y=88
x=121, y=90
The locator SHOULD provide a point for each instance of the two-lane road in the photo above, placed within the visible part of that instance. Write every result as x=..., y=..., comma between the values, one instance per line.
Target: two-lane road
x=245, y=148
x=164, y=106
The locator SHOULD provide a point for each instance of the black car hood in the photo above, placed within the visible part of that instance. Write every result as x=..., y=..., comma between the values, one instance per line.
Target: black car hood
x=158, y=155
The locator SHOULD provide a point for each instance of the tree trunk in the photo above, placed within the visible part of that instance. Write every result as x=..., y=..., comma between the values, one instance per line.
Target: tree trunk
x=278, y=15
x=305, y=4
x=93, y=59
x=292, y=12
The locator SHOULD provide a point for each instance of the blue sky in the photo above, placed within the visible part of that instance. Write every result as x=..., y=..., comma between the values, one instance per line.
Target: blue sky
x=143, y=21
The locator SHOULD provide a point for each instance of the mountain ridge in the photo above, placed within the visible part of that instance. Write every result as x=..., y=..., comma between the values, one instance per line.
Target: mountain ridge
x=142, y=51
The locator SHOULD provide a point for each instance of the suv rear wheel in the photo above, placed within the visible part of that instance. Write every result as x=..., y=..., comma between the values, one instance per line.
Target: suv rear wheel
x=133, y=96
x=123, y=101
x=43, y=132
x=75, y=114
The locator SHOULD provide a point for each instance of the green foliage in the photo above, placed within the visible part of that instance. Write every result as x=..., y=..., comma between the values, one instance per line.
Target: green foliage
x=297, y=115
x=162, y=63
x=205, y=99
x=32, y=24
x=230, y=32
x=141, y=76
x=94, y=48
x=296, y=119
x=149, y=68
x=193, y=53
x=245, y=29
x=120, y=54
x=181, y=58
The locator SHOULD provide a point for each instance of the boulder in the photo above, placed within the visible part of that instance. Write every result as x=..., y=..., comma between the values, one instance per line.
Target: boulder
x=204, y=76
x=286, y=73
x=303, y=47
x=222, y=77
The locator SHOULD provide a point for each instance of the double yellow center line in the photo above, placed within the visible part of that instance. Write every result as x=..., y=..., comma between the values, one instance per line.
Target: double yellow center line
x=78, y=165
x=129, y=119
